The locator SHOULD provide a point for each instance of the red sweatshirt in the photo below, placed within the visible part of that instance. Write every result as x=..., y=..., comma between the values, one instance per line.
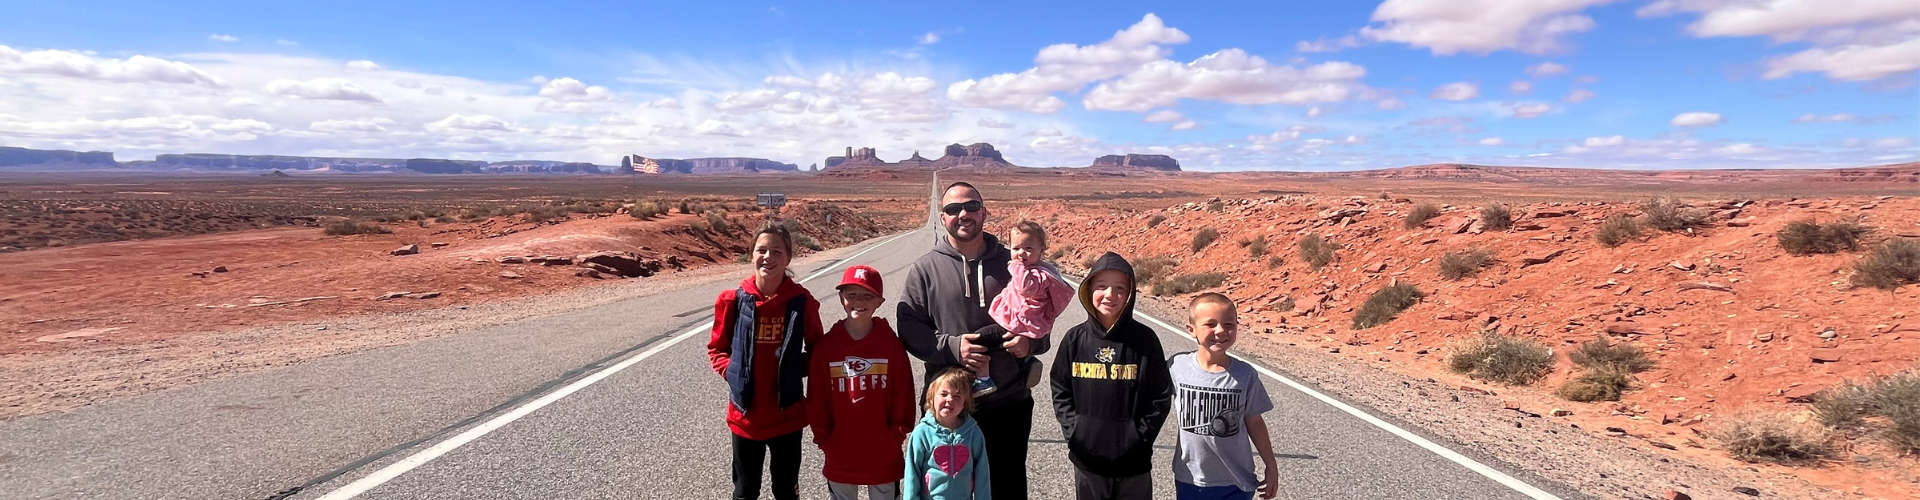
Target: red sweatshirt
x=861, y=393
x=766, y=420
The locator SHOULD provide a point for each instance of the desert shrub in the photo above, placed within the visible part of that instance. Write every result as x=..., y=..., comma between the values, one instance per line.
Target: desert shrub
x=645, y=210
x=1316, y=251
x=698, y=228
x=1062, y=251
x=1890, y=265
x=1604, y=384
x=1189, y=283
x=443, y=219
x=1667, y=214
x=1841, y=406
x=1460, y=265
x=1203, y=238
x=1502, y=359
x=416, y=215
x=1087, y=263
x=1756, y=435
x=1384, y=305
x=1808, y=237
x=1609, y=370
x=1148, y=270
x=1897, y=398
x=1217, y=207
x=1600, y=354
x=1155, y=221
x=351, y=227
x=1617, y=230
x=807, y=242
x=1421, y=214
x=1275, y=262
x=718, y=220
x=684, y=208
x=1256, y=247
x=1284, y=305
x=1496, y=218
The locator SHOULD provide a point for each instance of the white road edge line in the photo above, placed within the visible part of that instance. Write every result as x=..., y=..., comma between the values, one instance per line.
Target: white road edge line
x=390, y=472
x=1471, y=464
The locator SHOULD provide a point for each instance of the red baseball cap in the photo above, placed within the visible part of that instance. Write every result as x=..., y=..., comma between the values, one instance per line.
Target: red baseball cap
x=863, y=277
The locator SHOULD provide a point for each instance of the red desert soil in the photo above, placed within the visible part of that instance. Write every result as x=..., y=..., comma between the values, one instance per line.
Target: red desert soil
x=1718, y=351
x=128, y=296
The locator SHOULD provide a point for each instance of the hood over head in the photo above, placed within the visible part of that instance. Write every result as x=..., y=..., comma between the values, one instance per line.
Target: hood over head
x=1108, y=262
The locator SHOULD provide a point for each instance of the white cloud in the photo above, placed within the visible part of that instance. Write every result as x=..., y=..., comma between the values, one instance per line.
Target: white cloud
x=1164, y=116
x=136, y=69
x=1850, y=62
x=363, y=66
x=332, y=89
x=1448, y=27
x=664, y=103
x=1696, y=119
x=1326, y=45
x=286, y=42
x=469, y=123
x=1520, y=87
x=929, y=39
x=1531, y=110
x=1739, y=149
x=1064, y=67
x=1842, y=118
x=362, y=125
x=1601, y=142
x=1228, y=76
x=1046, y=132
x=1315, y=112
x=223, y=38
x=1456, y=91
x=1390, y=103
x=1547, y=69
x=1579, y=95
x=1493, y=141
x=1853, y=40
x=993, y=123
x=1185, y=125
x=571, y=90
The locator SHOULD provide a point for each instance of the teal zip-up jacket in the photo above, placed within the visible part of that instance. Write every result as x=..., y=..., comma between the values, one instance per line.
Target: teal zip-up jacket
x=946, y=464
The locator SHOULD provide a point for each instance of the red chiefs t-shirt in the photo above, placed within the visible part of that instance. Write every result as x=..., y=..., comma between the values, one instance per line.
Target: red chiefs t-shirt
x=862, y=404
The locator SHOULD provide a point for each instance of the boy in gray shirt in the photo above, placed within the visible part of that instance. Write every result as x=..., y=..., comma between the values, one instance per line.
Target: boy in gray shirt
x=1218, y=403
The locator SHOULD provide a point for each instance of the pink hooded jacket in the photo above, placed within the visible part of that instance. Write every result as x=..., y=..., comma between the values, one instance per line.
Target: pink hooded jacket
x=1032, y=300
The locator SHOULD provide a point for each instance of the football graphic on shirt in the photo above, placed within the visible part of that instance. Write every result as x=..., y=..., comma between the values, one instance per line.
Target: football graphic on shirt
x=857, y=366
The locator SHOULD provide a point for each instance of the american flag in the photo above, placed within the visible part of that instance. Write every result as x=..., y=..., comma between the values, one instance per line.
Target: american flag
x=645, y=165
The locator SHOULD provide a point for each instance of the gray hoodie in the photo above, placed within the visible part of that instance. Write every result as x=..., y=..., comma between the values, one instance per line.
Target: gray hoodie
x=946, y=296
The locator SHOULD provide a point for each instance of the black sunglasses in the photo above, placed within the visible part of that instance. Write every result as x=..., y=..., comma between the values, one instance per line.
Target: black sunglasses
x=956, y=208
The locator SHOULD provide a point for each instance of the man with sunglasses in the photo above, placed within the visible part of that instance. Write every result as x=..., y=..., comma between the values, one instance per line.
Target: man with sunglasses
x=943, y=320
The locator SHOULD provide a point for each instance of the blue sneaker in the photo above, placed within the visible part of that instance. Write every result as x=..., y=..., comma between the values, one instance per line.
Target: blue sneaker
x=983, y=386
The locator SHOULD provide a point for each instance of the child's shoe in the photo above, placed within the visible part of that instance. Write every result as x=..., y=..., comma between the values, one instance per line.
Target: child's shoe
x=983, y=386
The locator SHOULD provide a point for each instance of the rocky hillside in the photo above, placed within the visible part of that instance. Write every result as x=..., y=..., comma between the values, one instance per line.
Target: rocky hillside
x=1729, y=318
x=1133, y=161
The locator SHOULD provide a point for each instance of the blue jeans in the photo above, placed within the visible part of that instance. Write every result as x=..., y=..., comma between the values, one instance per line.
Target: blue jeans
x=1184, y=491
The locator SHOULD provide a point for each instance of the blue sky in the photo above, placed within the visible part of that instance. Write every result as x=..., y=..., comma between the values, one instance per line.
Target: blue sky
x=1267, y=85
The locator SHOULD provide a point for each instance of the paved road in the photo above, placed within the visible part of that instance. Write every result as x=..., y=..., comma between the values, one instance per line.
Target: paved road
x=615, y=401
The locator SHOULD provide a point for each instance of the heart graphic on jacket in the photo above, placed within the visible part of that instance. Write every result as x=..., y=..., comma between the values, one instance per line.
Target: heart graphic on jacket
x=951, y=458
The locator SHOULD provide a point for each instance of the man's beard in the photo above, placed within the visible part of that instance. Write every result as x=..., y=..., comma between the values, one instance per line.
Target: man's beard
x=954, y=232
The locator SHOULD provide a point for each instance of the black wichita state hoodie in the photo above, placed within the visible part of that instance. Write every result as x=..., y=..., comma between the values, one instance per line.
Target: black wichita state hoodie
x=1111, y=388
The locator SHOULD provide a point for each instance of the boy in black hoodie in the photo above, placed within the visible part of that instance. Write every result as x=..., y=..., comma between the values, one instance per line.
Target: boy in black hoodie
x=1111, y=388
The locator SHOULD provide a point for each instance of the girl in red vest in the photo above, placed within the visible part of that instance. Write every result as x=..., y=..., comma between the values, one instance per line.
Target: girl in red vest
x=763, y=333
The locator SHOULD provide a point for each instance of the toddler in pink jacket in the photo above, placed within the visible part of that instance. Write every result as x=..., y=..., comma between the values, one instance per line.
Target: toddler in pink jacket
x=1034, y=297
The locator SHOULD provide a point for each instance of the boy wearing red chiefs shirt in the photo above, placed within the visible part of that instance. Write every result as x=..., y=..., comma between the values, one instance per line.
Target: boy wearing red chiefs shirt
x=861, y=394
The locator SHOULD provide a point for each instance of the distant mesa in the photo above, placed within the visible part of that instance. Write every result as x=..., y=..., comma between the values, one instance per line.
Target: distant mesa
x=32, y=158
x=206, y=161
x=703, y=166
x=1132, y=161
x=978, y=154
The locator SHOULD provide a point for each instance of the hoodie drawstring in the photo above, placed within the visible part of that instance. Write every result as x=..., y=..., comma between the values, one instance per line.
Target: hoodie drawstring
x=973, y=276
x=980, y=273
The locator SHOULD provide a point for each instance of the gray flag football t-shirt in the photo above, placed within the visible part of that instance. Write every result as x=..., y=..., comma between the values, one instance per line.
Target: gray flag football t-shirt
x=1211, y=408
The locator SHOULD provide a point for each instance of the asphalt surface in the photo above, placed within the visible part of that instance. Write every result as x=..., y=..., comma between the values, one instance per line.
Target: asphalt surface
x=653, y=429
